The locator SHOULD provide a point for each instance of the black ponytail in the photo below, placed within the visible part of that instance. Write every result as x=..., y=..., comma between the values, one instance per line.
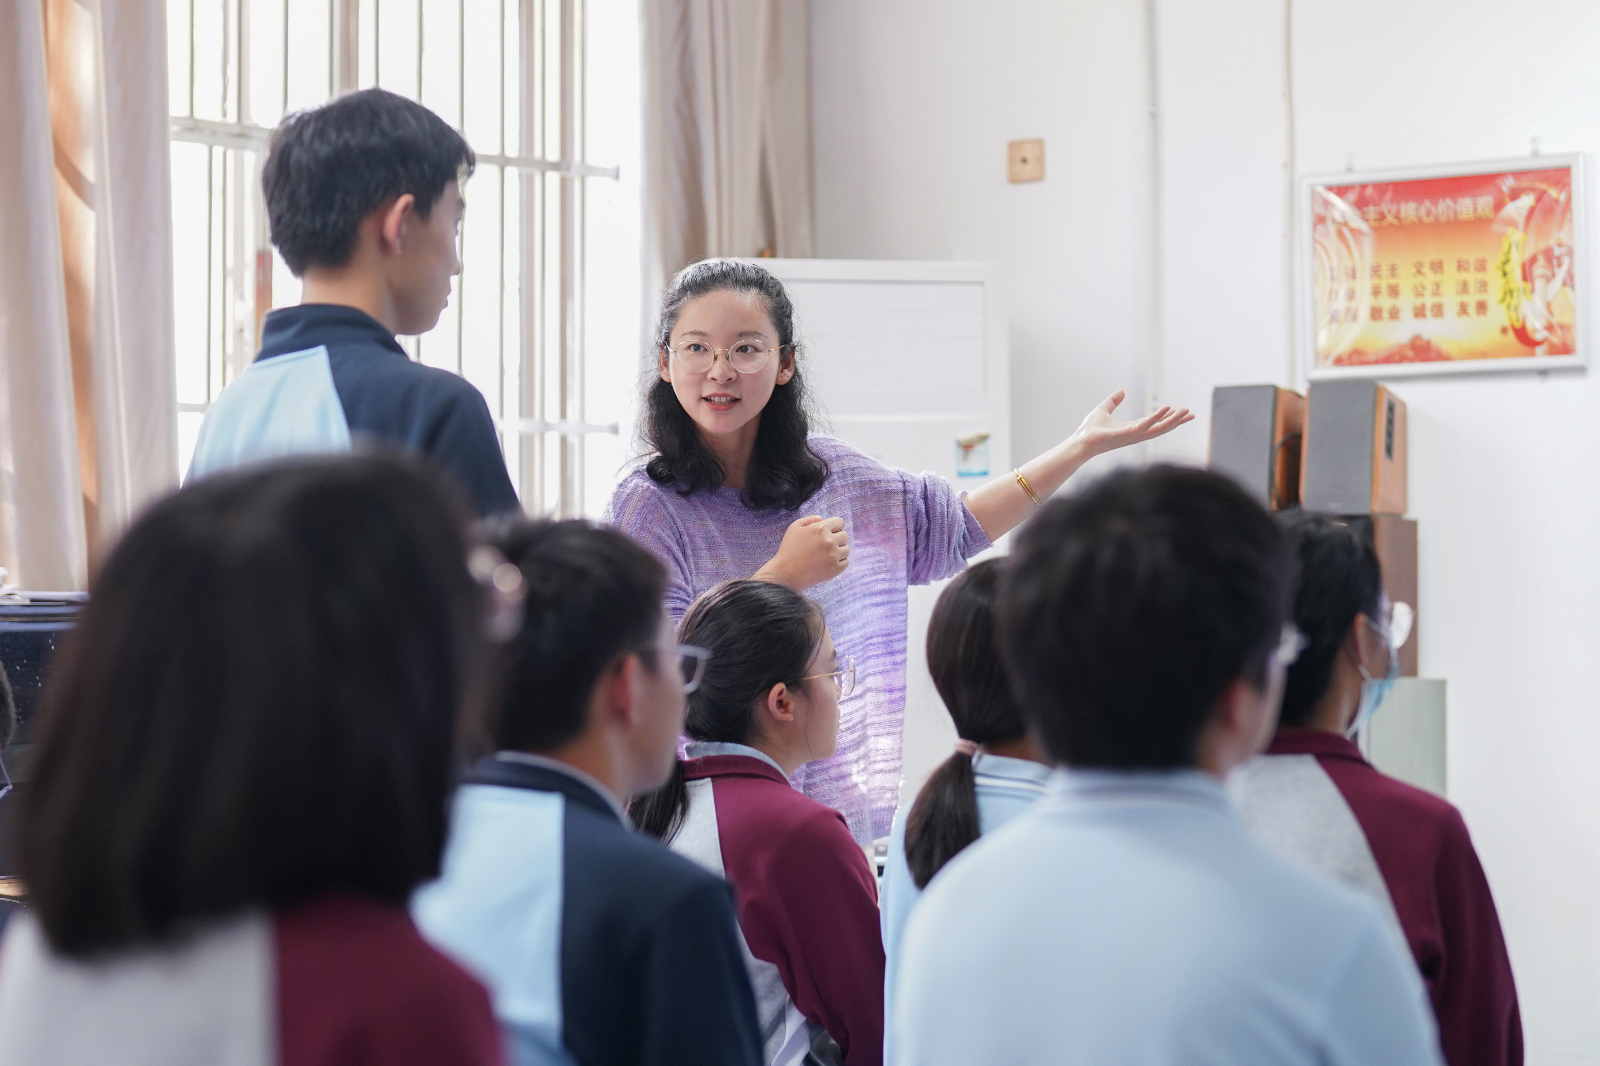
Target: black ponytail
x=944, y=818
x=661, y=813
x=967, y=671
x=759, y=635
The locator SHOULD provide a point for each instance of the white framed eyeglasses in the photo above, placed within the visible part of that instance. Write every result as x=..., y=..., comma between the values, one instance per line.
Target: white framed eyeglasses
x=746, y=357
x=691, y=661
x=844, y=677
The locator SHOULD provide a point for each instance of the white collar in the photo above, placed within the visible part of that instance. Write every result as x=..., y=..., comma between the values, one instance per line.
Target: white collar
x=1188, y=787
x=544, y=762
x=1011, y=769
x=699, y=749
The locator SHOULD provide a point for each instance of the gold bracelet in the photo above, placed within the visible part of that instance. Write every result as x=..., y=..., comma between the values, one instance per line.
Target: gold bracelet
x=1034, y=496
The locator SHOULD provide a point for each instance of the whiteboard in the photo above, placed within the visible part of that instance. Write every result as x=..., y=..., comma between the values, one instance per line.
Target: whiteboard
x=903, y=358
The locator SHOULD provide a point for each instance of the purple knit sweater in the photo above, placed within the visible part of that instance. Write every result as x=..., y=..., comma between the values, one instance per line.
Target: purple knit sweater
x=904, y=530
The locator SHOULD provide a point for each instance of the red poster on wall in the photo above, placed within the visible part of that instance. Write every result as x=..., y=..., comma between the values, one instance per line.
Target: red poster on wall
x=1445, y=271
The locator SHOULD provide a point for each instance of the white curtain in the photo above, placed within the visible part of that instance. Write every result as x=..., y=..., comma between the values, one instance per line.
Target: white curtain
x=727, y=131
x=87, y=401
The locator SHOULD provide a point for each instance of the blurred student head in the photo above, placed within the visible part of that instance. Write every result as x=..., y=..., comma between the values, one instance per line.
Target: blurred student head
x=371, y=183
x=964, y=659
x=259, y=704
x=1143, y=622
x=594, y=666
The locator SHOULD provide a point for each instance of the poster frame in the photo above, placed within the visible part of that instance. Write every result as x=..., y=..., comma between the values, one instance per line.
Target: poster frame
x=1304, y=298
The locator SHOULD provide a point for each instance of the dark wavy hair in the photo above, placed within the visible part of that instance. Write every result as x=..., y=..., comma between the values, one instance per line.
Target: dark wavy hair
x=759, y=634
x=1340, y=578
x=964, y=659
x=784, y=470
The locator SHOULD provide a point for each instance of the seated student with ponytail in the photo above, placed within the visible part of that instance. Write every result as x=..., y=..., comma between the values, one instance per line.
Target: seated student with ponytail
x=1315, y=798
x=997, y=770
x=768, y=704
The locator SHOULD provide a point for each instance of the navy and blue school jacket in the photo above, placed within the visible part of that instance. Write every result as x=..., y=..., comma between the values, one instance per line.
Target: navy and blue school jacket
x=329, y=376
x=599, y=946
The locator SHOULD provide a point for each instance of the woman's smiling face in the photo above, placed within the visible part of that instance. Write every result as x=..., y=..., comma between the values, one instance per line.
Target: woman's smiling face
x=721, y=400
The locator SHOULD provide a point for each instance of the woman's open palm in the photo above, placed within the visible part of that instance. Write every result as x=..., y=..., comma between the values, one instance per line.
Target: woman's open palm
x=1102, y=431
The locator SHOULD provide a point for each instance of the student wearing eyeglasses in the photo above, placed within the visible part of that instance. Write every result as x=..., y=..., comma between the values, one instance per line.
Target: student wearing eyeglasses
x=1314, y=797
x=737, y=485
x=600, y=947
x=808, y=904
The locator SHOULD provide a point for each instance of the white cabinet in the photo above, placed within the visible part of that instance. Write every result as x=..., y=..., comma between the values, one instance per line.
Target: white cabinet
x=905, y=358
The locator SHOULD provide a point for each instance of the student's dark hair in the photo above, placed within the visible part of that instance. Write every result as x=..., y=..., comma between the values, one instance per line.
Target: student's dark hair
x=1340, y=578
x=1126, y=610
x=784, y=470
x=592, y=597
x=259, y=704
x=759, y=635
x=964, y=659
x=329, y=167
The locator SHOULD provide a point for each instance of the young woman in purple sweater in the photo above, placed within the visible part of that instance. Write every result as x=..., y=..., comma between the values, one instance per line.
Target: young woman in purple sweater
x=736, y=485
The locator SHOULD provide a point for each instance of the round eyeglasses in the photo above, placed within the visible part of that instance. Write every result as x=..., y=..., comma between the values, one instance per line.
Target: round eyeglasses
x=746, y=357
x=844, y=677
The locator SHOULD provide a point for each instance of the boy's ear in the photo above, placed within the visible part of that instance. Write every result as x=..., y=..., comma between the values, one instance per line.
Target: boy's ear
x=623, y=678
x=392, y=224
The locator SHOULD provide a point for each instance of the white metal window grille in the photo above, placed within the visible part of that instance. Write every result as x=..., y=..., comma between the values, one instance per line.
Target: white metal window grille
x=547, y=302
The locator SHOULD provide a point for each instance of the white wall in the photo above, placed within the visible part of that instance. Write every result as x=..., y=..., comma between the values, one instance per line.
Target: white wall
x=913, y=104
x=1504, y=471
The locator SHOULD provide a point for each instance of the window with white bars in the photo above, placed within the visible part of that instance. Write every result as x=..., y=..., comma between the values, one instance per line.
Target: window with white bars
x=545, y=316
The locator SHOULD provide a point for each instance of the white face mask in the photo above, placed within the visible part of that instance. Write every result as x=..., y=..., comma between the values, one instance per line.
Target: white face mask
x=1373, y=689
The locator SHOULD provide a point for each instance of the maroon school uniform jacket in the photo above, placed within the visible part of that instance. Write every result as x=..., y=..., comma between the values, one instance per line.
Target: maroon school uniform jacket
x=807, y=905
x=340, y=981
x=1313, y=796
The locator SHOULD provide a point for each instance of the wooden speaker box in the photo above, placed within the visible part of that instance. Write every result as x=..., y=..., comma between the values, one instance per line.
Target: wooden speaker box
x=1354, y=449
x=1395, y=539
x=1255, y=439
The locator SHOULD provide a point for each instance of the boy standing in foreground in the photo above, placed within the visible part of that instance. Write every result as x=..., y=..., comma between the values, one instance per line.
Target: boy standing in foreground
x=1127, y=917
x=364, y=204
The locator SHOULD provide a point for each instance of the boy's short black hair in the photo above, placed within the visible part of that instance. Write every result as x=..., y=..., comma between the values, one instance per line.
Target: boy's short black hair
x=592, y=595
x=1340, y=577
x=1127, y=609
x=259, y=704
x=329, y=167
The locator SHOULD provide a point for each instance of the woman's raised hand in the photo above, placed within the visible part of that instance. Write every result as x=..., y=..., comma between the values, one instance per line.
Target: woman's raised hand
x=814, y=550
x=1101, y=431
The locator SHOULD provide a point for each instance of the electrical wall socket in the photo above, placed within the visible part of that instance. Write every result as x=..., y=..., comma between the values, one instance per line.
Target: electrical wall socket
x=1025, y=160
